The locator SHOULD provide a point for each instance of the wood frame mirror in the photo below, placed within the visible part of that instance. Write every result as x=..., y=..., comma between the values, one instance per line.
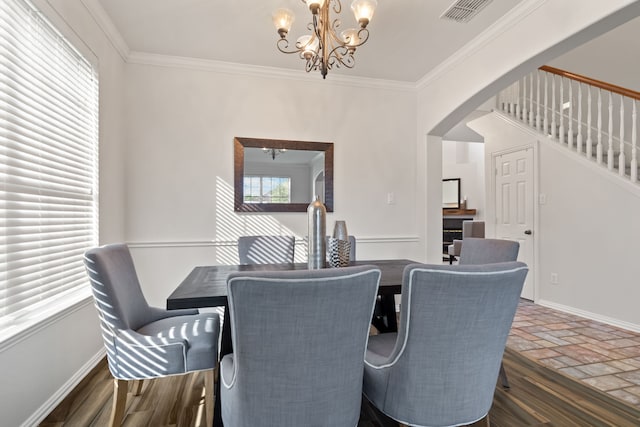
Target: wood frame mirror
x=275, y=147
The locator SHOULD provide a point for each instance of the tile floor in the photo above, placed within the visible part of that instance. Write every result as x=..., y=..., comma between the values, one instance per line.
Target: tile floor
x=603, y=356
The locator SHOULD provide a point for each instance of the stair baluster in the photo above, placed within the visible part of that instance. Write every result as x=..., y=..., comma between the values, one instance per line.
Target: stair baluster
x=610, y=136
x=545, y=122
x=621, y=157
x=589, y=114
x=599, y=145
x=561, y=111
x=523, y=112
x=538, y=118
x=553, y=106
x=579, y=137
x=531, y=116
x=634, y=138
x=570, y=131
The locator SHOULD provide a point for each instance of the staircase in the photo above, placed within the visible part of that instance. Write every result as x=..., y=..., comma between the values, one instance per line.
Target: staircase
x=592, y=118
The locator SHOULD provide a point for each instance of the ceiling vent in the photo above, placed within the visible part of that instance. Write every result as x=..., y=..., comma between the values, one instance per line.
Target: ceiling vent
x=464, y=10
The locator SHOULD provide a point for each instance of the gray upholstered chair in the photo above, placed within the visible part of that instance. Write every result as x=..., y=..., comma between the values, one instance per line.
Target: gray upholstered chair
x=144, y=342
x=469, y=229
x=266, y=249
x=299, y=339
x=441, y=368
x=488, y=251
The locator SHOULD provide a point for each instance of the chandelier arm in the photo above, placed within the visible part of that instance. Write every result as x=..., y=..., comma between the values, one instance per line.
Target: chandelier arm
x=337, y=6
x=283, y=46
x=342, y=56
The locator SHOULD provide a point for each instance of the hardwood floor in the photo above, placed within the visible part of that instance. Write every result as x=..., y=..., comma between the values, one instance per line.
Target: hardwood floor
x=539, y=396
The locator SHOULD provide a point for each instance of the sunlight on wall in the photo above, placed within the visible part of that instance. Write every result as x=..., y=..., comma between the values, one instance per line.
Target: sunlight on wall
x=230, y=226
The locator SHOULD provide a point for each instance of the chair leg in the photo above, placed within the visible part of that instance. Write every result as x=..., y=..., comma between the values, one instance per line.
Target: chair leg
x=137, y=387
x=209, y=378
x=120, y=388
x=503, y=377
x=483, y=422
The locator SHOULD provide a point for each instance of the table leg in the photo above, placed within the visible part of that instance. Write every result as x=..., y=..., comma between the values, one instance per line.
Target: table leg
x=226, y=347
x=385, y=318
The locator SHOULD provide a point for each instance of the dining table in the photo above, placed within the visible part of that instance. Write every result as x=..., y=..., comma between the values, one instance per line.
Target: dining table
x=206, y=286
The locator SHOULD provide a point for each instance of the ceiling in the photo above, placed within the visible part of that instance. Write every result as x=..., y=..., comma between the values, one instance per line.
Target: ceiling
x=407, y=41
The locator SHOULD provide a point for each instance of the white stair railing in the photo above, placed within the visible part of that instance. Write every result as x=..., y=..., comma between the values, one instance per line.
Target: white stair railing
x=570, y=121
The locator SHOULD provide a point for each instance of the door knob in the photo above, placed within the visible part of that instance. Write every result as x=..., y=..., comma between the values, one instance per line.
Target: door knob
x=528, y=232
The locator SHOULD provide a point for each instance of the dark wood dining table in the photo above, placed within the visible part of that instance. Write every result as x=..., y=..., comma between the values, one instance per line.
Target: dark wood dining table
x=206, y=286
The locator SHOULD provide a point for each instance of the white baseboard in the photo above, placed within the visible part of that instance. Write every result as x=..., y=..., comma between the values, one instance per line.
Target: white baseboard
x=37, y=417
x=633, y=327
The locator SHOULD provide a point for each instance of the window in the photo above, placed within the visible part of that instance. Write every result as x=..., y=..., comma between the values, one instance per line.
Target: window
x=267, y=189
x=48, y=168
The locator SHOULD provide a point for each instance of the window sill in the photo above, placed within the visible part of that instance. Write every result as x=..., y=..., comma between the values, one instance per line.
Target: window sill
x=12, y=333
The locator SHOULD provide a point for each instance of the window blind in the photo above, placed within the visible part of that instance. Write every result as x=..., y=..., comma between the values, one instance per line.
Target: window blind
x=48, y=165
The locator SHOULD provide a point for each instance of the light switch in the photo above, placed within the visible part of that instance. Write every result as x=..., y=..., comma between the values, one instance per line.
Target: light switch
x=391, y=199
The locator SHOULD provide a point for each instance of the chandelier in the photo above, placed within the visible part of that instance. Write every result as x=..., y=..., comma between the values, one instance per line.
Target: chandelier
x=325, y=47
x=273, y=152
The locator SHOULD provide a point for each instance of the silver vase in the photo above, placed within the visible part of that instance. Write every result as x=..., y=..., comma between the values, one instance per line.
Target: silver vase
x=340, y=230
x=317, y=231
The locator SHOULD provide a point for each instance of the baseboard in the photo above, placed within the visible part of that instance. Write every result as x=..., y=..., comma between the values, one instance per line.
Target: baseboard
x=37, y=417
x=633, y=327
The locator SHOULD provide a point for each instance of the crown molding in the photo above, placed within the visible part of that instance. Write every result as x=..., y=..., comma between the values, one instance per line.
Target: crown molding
x=143, y=58
x=497, y=29
x=98, y=13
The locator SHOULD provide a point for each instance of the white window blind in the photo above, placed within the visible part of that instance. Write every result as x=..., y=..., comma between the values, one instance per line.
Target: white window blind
x=48, y=166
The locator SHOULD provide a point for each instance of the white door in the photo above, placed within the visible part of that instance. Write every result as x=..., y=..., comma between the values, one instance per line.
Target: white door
x=515, y=208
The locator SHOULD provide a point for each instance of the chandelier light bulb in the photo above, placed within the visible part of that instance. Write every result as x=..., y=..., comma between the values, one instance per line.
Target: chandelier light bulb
x=283, y=19
x=350, y=38
x=308, y=46
x=363, y=11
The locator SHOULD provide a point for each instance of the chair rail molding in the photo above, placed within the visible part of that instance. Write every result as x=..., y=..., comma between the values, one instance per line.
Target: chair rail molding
x=233, y=243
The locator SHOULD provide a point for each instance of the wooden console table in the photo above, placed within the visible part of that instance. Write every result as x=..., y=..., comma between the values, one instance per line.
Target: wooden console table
x=452, y=226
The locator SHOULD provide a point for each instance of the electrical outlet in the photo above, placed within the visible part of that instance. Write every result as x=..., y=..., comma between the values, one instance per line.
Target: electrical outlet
x=391, y=199
x=542, y=199
x=554, y=278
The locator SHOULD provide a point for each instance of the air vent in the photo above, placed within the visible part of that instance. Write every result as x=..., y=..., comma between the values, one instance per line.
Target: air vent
x=463, y=10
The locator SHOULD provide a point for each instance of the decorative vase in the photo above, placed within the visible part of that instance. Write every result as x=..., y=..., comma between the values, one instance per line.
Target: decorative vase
x=338, y=252
x=317, y=216
x=339, y=246
x=340, y=230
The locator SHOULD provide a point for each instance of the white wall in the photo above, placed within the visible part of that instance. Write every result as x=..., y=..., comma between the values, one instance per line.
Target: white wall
x=181, y=121
x=465, y=160
x=588, y=231
x=38, y=369
x=596, y=58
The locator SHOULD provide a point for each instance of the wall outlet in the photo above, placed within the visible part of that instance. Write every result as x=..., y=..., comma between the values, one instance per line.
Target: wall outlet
x=554, y=278
x=542, y=198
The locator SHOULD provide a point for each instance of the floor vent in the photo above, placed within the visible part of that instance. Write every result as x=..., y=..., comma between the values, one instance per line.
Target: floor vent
x=464, y=10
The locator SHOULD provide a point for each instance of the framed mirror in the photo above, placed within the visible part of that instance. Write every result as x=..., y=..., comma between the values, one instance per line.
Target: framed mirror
x=274, y=175
x=451, y=193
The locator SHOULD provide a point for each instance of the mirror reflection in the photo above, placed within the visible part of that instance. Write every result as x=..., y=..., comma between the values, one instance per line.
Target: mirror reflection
x=281, y=175
x=451, y=193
